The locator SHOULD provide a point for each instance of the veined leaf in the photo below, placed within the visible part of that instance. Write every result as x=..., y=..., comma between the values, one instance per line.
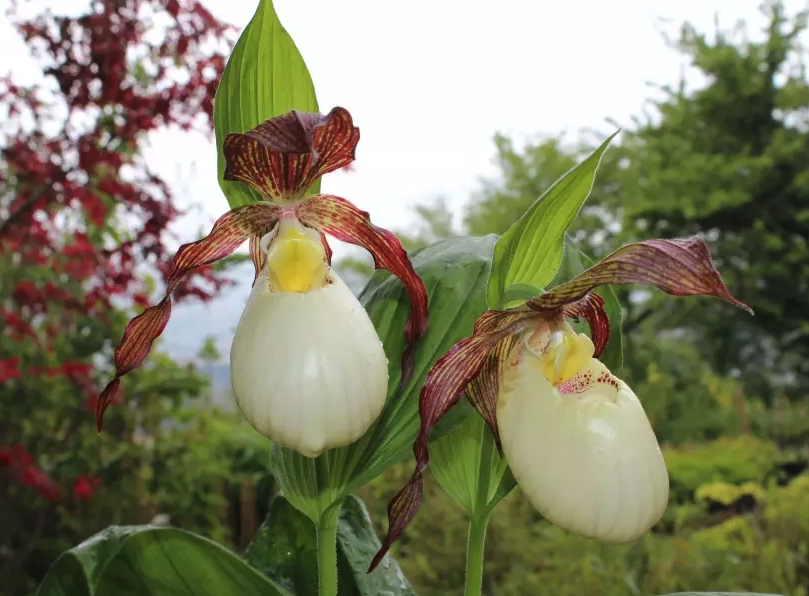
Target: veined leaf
x=467, y=465
x=466, y=457
x=530, y=251
x=264, y=77
x=454, y=272
x=285, y=550
x=146, y=560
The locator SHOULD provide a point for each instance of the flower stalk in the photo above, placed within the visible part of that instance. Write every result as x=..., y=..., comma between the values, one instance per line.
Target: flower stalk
x=479, y=522
x=327, y=551
x=474, y=554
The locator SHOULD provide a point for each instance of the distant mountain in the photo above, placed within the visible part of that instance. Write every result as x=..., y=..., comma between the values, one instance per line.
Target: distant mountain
x=219, y=373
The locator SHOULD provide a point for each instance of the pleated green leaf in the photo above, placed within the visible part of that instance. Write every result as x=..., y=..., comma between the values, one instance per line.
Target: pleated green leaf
x=455, y=273
x=466, y=464
x=147, y=560
x=285, y=550
x=264, y=77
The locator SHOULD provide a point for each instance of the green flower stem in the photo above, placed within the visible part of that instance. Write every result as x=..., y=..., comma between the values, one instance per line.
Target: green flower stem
x=327, y=552
x=474, y=555
x=480, y=519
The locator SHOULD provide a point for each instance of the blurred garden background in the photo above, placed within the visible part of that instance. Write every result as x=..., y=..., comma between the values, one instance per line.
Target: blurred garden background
x=88, y=223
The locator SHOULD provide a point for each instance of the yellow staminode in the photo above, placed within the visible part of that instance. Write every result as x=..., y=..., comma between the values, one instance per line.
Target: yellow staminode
x=296, y=259
x=567, y=353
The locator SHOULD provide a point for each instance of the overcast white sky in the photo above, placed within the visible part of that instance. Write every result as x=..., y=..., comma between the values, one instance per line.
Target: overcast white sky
x=429, y=82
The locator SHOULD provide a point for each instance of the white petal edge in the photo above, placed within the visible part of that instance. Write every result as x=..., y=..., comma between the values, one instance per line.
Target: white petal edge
x=308, y=370
x=590, y=463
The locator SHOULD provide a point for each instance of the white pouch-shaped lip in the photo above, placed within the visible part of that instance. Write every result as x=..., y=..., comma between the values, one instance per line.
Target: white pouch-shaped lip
x=307, y=367
x=587, y=459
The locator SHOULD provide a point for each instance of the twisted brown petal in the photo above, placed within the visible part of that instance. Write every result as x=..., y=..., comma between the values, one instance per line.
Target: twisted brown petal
x=230, y=231
x=327, y=248
x=443, y=388
x=678, y=267
x=339, y=218
x=284, y=156
x=482, y=391
x=257, y=255
x=591, y=309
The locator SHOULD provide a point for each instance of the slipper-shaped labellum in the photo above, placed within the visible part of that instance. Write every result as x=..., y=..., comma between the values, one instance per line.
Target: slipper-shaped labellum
x=575, y=436
x=577, y=439
x=307, y=367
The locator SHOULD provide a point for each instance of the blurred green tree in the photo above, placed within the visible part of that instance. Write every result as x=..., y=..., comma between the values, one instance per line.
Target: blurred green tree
x=729, y=160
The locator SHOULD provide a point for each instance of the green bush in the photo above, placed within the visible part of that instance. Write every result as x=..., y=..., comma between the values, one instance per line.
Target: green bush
x=733, y=459
x=764, y=549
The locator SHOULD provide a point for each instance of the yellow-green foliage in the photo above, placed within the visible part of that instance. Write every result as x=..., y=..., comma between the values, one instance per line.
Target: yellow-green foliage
x=766, y=550
x=734, y=460
x=727, y=494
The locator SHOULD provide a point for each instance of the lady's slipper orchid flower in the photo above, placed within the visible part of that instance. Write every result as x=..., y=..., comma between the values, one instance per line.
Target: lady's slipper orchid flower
x=307, y=367
x=575, y=436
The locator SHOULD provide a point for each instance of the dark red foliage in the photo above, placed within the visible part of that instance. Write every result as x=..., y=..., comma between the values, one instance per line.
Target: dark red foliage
x=82, y=218
x=84, y=487
x=9, y=369
x=122, y=69
x=26, y=472
x=38, y=480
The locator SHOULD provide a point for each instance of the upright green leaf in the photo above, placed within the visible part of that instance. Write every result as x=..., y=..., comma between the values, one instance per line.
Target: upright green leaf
x=146, y=560
x=455, y=273
x=467, y=465
x=531, y=250
x=575, y=261
x=264, y=77
x=285, y=550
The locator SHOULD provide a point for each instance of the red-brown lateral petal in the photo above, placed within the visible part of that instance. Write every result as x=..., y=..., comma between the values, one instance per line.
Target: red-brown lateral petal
x=339, y=218
x=283, y=156
x=482, y=391
x=591, y=309
x=678, y=267
x=443, y=388
x=229, y=231
x=327, y=248
x=257, y=255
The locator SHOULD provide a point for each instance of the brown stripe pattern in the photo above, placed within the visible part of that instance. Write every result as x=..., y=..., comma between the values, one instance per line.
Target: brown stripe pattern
x=678, y=267
x=256, y=255
x=228, y=233
x=443, y=388
x=284, y=156
x=327, y=248
x=591, y=309
x=482, y=392
x=341, y=219
x=475, y=364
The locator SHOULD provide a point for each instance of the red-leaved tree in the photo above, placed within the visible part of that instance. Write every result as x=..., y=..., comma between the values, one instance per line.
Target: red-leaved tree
x=82, y=218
